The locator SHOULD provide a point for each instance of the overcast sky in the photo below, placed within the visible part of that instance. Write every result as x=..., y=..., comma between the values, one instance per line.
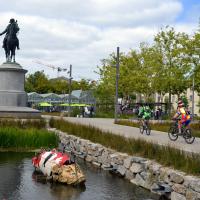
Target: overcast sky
x=82, y=32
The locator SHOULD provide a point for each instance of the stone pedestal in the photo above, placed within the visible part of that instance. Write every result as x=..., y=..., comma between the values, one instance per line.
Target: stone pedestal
x=13, y=98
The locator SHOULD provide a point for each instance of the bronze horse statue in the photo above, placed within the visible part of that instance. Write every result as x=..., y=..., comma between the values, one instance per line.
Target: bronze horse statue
x=11, y=44
x=11, y=41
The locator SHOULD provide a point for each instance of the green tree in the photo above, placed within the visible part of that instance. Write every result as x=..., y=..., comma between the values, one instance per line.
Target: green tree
x=105, y=89
x=129, y=67
x=37, y=82
x=147, y=73
x=58, y=86
x=85, y=84
x=173, y=48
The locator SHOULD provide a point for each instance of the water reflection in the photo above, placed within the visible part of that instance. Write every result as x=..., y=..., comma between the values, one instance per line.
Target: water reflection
x=19, y=182
x=10, y=171
x=57, y=190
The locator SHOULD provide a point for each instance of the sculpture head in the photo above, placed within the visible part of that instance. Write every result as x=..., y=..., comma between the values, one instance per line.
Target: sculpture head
x=12, y=20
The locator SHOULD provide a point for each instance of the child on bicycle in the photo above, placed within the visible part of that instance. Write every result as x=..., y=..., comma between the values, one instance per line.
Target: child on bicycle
x=183, y=115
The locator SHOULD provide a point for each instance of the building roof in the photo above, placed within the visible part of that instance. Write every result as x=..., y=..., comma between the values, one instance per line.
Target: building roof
x=34, y=94
x=76, y=93
x=50, y=95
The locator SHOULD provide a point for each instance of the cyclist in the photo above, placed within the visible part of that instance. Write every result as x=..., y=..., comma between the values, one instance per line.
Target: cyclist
x=144, y=114
x=183, y=115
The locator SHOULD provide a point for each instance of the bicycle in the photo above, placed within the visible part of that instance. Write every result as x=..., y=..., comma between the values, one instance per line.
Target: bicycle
x=144, y=126
x=186, y=133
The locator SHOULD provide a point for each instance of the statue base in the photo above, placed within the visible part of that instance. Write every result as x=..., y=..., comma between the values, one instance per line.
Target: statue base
x=19, y=112
x=13, y=98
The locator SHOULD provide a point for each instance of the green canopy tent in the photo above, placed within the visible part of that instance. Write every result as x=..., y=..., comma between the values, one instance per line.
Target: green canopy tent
x=80, y=104
x=64, y=104
x=74, y=105
x=45, y=104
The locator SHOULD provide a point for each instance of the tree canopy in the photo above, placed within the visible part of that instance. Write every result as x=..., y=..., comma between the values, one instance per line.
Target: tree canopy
x=165, y=67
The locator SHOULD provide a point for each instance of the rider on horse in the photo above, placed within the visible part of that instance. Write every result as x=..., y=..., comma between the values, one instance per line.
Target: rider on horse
x=13, y=25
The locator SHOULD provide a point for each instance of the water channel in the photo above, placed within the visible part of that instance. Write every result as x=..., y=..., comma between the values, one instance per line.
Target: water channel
x=19, y=182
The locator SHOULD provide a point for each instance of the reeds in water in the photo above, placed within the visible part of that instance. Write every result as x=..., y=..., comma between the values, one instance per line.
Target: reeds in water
x=14, y=137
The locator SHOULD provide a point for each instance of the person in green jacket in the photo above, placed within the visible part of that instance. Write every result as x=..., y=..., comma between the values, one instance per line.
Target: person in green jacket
x=144, y=113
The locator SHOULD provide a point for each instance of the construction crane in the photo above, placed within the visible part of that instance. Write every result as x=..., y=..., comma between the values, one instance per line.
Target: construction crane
x=59, y=69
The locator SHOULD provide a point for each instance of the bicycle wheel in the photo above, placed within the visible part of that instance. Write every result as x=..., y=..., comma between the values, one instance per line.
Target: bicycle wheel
x=141, y=129
x=189, y=138
x=173, y=134
x=148, y=129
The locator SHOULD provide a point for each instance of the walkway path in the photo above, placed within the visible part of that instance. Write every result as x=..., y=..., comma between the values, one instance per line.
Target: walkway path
x=155, y=137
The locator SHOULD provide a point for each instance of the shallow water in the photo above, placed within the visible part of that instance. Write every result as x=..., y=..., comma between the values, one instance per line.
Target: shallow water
x=19, y=182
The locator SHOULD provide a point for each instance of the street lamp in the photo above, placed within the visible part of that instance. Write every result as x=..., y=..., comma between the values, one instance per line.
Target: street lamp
x=193, y=96
x=116, y=86
x=196, y=61
x=70, y=82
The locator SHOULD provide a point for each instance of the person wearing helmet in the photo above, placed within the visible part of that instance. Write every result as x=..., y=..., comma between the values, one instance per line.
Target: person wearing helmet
x=12, y=24
x=144, y=113
x=182, y=115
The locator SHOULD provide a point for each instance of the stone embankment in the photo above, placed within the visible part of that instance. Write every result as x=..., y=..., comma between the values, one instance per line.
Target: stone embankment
x=173, y=184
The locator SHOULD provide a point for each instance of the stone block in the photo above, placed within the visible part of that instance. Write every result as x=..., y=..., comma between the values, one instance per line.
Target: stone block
x=121, y=170
x=128, y=162
x=129, y=175
x=176, y=177
x=138, y=180
x=192, y=195
x=136, y=168
x=179, y=188
x=177, y=196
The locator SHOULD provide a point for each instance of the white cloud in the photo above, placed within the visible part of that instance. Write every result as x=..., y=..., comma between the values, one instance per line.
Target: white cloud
x=81, y=33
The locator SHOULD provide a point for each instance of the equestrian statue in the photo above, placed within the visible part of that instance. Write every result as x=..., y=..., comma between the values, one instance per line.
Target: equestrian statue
x=11, y=42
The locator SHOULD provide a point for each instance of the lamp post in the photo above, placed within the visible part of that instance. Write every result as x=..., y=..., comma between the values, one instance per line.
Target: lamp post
x=116, y=86
x=196, y=62
x=70, y=82
x=193, y=96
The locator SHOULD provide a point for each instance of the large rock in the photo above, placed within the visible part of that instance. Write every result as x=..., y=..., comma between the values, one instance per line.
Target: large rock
x=138, y=159
x=136, y=168
x=118, y=158
x=192, y=195
x=121, y=170
x=104, y=158
x=138, y=180
x=179, y=188
x=129, y=175
x=154, y=168
x=195, y=185
x=128, y=162
x=176, y=177
x=177, y=196
x=164, y=172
